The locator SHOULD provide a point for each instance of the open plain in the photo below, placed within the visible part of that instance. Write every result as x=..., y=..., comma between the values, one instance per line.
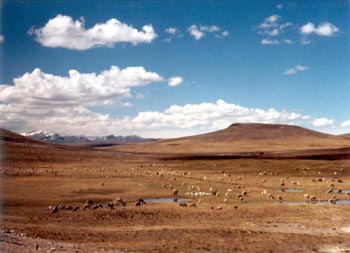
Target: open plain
x=234, y=193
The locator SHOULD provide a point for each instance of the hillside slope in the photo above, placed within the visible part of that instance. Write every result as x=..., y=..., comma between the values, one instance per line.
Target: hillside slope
x=248, y=137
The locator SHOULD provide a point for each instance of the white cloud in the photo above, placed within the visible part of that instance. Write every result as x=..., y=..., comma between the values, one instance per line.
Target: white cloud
x=271, y=28
x=39, y=88
x=322, y=122
x=195, y=32
x=2, y=38
x=62, y=31
x=295, y=70
x=324, y=29
x=198, y=32
x=345, y=123
x=279, y=6
x=269, y=42
x=225, y=33
x=176, y=120
x=209, y=116
x=272, y=19
x=171, y=30
x=210, y=29
x=175, y=81
x=287, y=41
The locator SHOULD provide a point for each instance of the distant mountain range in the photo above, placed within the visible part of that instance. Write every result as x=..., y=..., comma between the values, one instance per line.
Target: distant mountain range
x=58, y=138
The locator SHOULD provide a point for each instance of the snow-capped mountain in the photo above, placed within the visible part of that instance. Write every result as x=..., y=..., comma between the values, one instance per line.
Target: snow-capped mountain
x=58, y=138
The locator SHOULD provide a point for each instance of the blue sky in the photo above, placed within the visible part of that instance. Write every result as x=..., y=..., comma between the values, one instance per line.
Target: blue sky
x=233, y=61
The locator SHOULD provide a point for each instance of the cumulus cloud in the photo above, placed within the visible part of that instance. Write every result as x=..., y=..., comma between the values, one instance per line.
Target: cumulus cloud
x=62, y=31
x=324, y=29
x=271, y=19
x=272, y=27
x=345, y=123
x=272, y=30
x=270, y=42
x=39, y=88
x=287, y=41
x=210, y=116
x=198, y=32
x=2, y=38
x=195, y=32
x=279, y=6
x=222, y=34
x=295, y=70
x=267, y=41
x=175, y=81
x=322, y=122
x=176, y=120
x=171, y=30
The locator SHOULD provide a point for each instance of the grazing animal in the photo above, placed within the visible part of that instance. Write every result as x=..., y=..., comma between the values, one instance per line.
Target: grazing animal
x=68, y=208
x=97, y=206
x=175, y=192
x=53, y=209
x=183, y=204
x=142, y=201
x=218, y=208
x=332, y=201
x=89, y=202
x=86, y=206
x=119, y=201
x=329, y=191
x=313, y=199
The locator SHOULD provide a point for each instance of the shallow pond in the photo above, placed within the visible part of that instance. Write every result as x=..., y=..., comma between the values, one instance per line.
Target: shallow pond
x=292, y=190
x=323, y=202
x=345, y=191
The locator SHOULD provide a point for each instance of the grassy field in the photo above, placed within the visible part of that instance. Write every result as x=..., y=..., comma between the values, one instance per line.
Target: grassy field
x=36, y=176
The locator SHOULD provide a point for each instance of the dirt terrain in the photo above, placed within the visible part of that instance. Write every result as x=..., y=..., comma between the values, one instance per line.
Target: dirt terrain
x=234, y=203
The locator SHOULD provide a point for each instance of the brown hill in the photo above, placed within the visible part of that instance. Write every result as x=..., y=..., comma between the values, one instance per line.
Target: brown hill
x=21, y=149
x=250, y=137
x=8, y=136
x=256, y=131
x=347, y=136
